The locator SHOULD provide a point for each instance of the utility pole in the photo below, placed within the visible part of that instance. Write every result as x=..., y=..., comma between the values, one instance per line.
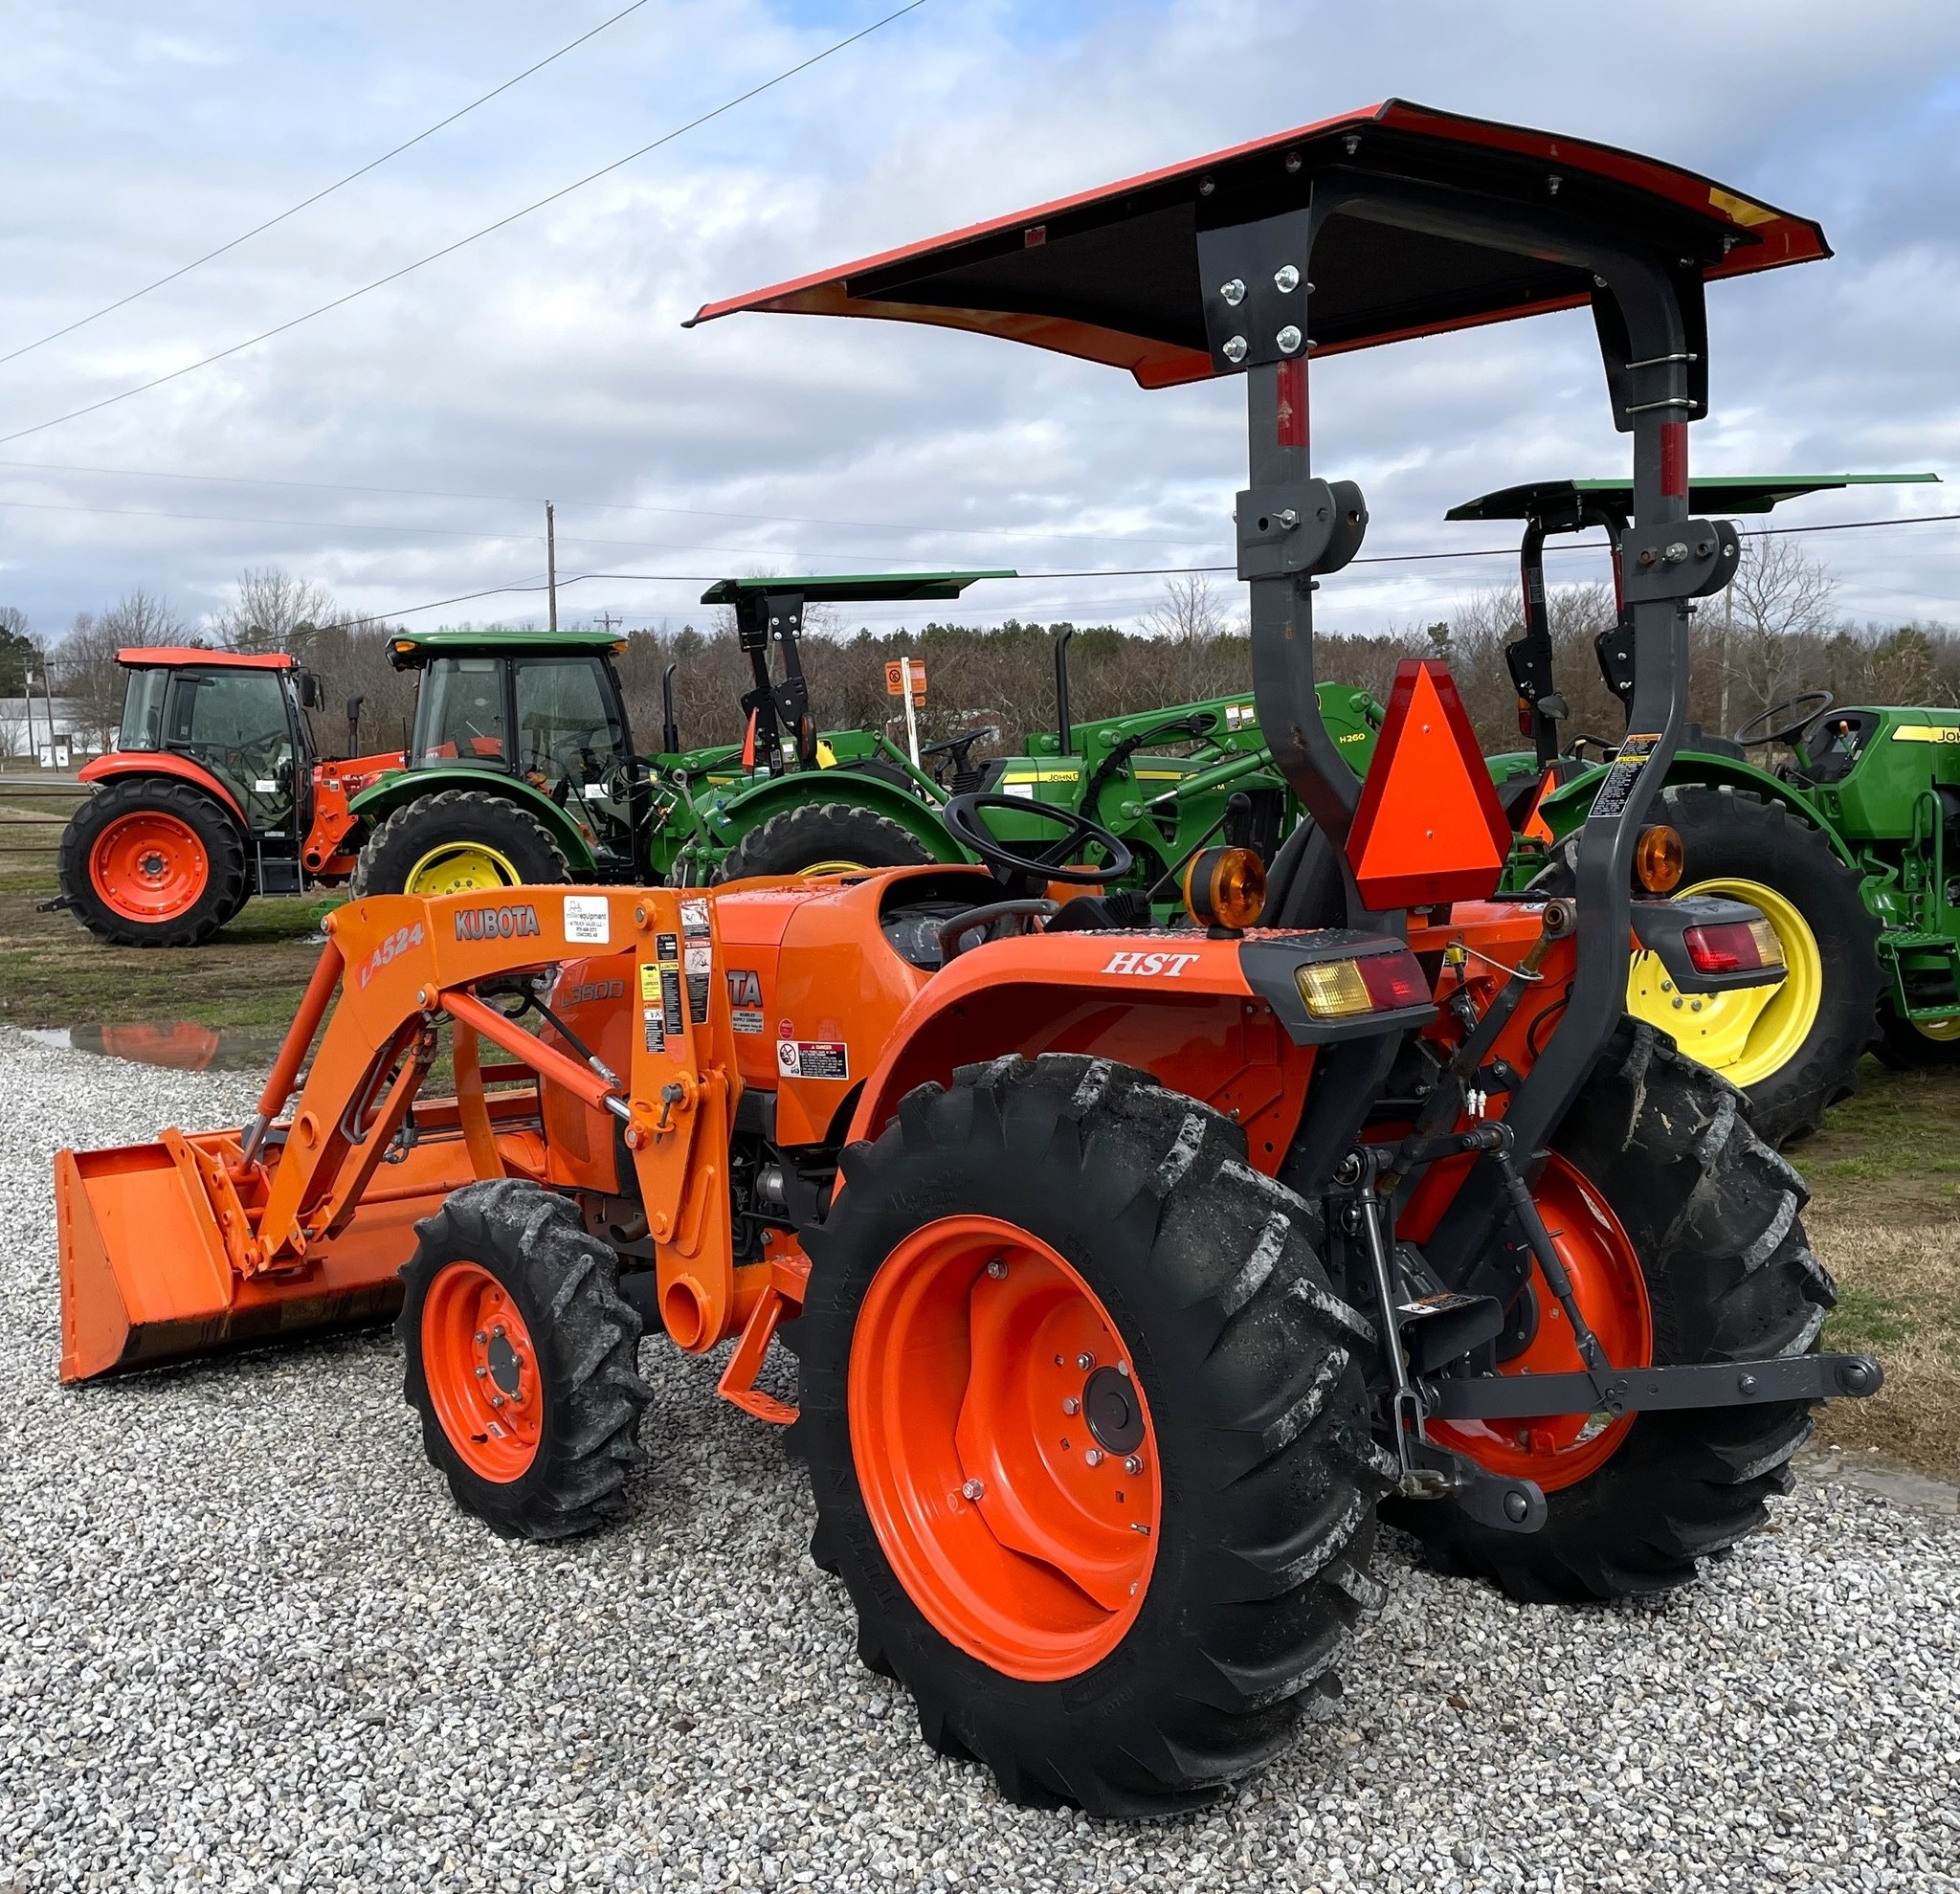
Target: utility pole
x=551, y=559
x=607, y=619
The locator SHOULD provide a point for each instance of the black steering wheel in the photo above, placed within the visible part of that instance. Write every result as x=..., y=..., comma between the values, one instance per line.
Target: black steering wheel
x=963, y=818
x=1812, y=704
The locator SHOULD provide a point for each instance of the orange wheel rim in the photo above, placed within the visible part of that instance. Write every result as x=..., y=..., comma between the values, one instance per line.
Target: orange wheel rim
x=1005, y=1451
x=481, y=1369
x=1608, y=1284
x=149, y=866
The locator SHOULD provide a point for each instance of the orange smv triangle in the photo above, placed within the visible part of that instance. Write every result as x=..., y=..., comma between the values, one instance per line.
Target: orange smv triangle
x=1429, y=827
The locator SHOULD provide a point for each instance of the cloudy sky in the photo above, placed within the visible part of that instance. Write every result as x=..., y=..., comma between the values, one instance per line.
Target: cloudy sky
x=400, y=449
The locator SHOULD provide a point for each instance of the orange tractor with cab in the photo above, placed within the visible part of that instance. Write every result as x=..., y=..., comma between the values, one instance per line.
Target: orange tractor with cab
x=1130, y=1271
x=212, y=795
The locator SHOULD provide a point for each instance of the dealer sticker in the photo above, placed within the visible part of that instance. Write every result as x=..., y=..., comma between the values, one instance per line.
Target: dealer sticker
x=813, y=1058
x=588, y=920
x=747, y=1019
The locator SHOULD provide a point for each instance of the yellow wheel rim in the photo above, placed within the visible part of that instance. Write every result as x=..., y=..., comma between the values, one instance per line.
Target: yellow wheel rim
x=820, y=868
x=1749, y=1032
x=457, y=868
x=1943, y=1031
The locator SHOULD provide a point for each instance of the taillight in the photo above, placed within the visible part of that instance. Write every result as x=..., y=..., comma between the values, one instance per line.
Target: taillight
x=1733, y=946
x=1343, y=988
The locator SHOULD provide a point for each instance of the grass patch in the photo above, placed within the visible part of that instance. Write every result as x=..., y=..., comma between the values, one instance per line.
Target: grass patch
x=1865, y=1321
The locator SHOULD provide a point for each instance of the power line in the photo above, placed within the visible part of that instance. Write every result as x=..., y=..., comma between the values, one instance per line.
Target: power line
x=1124, y=573
x=462, y=242
x=257, y=229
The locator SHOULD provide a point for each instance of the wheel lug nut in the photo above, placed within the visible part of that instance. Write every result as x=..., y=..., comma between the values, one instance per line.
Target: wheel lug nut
x=481, y=1371
x=482, y=1338
x=496, y=1400
x=972, y=1489
x=1134, y=1464
x=1094, y=1457
x=997, y=1269
x=498, y=1332
x=1122, y=1368
x=1071, y=1406
x=1085, y=1363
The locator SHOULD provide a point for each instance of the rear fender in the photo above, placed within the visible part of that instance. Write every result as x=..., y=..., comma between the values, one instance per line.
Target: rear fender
x=398, y=788
x=1205, y=1018
x=119, y=764
x=1564, y=810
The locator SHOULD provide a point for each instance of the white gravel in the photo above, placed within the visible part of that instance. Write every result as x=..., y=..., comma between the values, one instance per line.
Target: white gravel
x=247, y=1642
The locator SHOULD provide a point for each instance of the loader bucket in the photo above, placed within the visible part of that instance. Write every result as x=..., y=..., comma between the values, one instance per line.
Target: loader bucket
x=145, y=1274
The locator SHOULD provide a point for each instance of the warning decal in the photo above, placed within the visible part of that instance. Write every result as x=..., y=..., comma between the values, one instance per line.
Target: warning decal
x=813, y=1058
x=1618, y=790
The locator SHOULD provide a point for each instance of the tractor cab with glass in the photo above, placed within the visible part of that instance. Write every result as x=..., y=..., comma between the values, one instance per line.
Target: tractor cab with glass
x=519, y=767
x=211, y=794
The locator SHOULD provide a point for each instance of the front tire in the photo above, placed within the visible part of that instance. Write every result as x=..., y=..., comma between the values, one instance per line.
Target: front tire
x=1710, y=1216
x=1118, y=1604
x=153, y=862
x=454, y=841
x=1907, y=1047
x=521, y=1361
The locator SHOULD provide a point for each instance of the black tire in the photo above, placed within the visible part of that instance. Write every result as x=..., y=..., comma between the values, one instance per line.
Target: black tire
x=565, y=1283
x=227, y=883
x=388, y=857
x=1209, y=1274
x=1713, y=1214
x=1905, y=1048
x=815, y=833
x=1735, y=835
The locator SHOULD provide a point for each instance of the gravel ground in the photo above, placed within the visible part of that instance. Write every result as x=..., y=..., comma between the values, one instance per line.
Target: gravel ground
x=246, y=1642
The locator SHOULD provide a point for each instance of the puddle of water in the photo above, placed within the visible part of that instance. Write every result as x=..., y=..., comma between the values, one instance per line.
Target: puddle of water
x=1874, y=1472
x=180, y=1044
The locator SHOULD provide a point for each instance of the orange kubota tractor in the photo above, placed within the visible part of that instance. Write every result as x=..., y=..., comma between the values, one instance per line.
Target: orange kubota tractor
x=212, y=794
x=1129, y=1270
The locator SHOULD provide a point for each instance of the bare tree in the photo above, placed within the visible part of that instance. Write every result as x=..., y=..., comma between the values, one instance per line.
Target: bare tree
x=140, y=617
x=1191, y=620
x=272, y=610
x=85, y=664
x=1778, y=604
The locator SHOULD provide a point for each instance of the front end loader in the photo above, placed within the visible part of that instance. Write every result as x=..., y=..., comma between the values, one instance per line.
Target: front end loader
x=1130, y=1270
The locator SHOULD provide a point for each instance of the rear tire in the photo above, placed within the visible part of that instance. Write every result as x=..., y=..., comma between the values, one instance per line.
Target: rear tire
x=200, y=879
x=1712, y=1214
x=1264, y=1480
x=456, y=840
x=1734, y=837
x=820, y=837
x=550, y=1457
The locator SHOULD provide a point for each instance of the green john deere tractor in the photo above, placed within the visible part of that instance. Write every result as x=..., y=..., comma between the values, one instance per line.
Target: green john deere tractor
x=522, y=768
x=1844, y=847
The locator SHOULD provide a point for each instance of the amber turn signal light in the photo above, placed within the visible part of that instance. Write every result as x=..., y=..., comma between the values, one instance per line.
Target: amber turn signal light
x=1660, y=858
x=1225, y=887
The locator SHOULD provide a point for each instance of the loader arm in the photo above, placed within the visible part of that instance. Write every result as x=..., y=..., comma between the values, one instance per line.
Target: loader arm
x=301, y=1219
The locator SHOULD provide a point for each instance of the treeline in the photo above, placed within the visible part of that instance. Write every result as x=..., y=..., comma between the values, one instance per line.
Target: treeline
x=1776, y=633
